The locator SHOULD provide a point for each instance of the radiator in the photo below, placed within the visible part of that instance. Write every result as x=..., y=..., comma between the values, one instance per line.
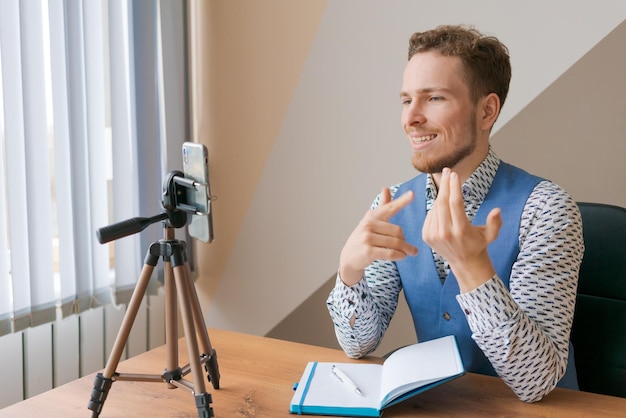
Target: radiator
x=41, y=358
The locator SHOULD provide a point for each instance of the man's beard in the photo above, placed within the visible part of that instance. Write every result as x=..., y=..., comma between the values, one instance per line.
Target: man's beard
x=424, y=164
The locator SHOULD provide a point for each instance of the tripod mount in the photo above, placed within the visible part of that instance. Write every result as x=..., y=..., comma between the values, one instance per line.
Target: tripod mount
x=179, y=290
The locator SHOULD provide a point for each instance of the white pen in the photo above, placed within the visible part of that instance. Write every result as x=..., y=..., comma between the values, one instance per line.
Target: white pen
x=343, y=378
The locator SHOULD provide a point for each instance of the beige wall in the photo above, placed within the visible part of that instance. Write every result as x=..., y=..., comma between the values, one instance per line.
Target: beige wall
x=244, y=73
x=298, y=105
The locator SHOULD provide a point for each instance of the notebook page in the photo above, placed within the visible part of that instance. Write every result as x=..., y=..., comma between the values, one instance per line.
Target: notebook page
x=326, y=390
x=418, y=365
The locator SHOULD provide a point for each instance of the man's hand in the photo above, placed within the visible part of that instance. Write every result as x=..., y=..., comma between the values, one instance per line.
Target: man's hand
x=449, y=233
x=375, y=238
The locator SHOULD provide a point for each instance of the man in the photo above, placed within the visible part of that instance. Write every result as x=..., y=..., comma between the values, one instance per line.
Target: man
x=482, y=249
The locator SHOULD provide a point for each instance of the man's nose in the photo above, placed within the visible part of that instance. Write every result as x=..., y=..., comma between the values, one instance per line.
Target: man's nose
x=414, y=115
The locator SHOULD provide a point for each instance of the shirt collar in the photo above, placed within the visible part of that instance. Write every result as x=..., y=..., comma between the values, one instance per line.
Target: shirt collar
x=476, y=187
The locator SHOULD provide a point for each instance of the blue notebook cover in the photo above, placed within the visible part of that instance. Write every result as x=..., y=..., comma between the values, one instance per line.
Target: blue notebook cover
x=405, y=373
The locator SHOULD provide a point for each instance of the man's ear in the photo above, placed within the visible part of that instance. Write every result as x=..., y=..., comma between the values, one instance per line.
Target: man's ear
x=489, y=107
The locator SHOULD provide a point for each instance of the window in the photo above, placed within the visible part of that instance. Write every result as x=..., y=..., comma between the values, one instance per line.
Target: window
x=91, y=121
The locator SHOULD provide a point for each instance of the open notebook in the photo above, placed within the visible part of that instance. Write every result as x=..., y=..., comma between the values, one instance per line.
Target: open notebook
x=405, y=373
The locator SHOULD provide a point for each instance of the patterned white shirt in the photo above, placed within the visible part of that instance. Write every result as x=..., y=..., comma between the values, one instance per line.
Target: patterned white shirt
x=524, y=331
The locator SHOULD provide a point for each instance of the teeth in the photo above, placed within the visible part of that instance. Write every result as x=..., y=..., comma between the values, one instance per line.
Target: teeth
x=424, y=138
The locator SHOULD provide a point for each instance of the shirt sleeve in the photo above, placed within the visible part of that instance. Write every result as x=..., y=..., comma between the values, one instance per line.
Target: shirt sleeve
x=371, y=306
x=524, y=331
x=371, y=302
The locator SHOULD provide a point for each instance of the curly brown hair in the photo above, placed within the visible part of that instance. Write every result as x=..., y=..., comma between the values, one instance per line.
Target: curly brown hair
x=486, y=62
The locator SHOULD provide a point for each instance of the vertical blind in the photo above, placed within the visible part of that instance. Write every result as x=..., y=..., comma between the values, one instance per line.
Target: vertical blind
x=90, y=123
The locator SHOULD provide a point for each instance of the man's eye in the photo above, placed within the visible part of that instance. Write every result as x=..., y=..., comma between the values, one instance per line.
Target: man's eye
x=435, y=98
x=406, y=102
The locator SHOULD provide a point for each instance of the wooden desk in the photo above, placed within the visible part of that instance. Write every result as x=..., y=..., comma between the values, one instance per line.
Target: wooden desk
x=257, y=375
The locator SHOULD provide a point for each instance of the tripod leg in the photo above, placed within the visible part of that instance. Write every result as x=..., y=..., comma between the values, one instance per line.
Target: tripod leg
x=203, y=399
x=210, y=366
x=171, y=326
x=103, y=381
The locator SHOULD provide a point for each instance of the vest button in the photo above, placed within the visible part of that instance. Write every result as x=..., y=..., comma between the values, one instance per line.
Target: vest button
x=446, y=316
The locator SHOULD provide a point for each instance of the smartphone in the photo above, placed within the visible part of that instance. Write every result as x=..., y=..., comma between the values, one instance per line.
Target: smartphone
x=196, y=167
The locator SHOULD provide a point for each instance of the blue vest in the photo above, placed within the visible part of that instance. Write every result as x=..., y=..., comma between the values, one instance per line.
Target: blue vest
x=433, y=305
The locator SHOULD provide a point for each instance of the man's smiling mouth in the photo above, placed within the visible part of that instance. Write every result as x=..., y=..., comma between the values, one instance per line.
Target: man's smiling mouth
x=422, y=139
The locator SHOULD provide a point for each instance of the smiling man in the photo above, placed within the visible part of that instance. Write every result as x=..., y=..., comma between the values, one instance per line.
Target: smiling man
x=482, y=249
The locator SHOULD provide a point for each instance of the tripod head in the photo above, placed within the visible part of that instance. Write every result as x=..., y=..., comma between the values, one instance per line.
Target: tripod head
x=175, y=209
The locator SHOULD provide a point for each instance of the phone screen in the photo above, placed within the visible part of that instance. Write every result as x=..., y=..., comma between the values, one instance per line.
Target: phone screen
x=196, y=167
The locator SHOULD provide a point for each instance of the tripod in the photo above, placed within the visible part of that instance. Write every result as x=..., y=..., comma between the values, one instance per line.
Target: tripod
x=178, y=285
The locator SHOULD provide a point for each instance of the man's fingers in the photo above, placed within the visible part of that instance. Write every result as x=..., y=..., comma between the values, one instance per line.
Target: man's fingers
x=493, y=224
x=389, y=208
x=396, y=242
x=391, y=246
x=391, y=254
x=443, y=189
x=441, y=207
x=456, y=204
x=383, y=235
x=385, y=196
